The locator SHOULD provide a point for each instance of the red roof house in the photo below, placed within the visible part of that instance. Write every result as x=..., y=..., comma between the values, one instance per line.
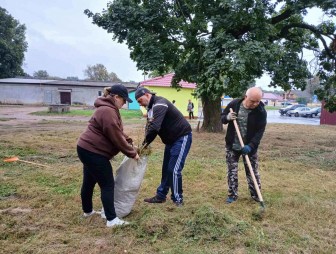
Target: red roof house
x=165, y=81
x=162, y=87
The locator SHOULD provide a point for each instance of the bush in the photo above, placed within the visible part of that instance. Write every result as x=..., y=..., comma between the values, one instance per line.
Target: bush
x=302, y=100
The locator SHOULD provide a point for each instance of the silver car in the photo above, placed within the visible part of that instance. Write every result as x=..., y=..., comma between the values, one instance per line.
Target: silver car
x=300, y=111
x=313, y=112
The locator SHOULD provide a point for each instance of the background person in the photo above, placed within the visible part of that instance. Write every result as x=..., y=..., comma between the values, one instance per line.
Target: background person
x=104, y=138
x=190, y=109
x=251, y=117
x=165, y=120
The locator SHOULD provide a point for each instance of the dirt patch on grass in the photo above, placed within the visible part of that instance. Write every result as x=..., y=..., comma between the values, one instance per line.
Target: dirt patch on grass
x=16, y=211
x=21, y=115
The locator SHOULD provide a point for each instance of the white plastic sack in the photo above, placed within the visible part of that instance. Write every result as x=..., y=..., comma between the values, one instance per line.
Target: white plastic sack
x=127, y=183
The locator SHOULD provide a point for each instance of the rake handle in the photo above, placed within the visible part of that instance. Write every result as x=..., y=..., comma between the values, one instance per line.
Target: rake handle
x=247, y=159
x=34, y=163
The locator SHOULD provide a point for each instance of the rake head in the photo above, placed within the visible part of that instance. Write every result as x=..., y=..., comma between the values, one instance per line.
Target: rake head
x=11, y=159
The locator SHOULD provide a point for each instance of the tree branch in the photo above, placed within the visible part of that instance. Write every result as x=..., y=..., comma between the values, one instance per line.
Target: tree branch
x=313, y=29
x=180, y=7
x=285, y=15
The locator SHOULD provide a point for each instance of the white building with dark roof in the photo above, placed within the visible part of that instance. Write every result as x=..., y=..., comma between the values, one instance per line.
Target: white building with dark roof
x=47, y=92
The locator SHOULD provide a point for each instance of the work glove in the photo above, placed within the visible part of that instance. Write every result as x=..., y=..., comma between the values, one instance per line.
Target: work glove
x=231, y=116
x=246, y=149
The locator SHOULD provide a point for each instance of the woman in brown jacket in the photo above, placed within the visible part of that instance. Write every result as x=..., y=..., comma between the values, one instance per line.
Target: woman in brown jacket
x=103, y=139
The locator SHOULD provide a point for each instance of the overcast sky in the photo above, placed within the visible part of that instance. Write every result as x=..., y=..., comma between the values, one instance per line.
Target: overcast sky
x=63, y=41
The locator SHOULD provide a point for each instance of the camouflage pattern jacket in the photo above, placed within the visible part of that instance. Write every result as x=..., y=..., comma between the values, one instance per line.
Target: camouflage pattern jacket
x=256, y=124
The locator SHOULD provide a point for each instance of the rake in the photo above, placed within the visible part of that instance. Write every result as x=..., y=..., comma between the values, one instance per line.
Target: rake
x=248, y=162
x=12, y=159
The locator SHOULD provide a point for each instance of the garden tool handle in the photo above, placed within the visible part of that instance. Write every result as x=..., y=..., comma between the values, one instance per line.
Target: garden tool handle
x=256, y=186
x=34, y=163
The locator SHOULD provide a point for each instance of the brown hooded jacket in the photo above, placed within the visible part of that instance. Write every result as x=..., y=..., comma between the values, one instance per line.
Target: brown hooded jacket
x=104, y=134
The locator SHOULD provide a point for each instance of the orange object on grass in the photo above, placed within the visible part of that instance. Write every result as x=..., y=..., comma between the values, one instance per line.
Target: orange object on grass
x=17, y=159
x=11, y=159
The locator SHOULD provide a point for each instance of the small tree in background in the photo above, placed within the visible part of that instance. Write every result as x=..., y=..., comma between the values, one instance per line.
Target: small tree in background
x=41, y=74
x=302, y=100
x=113, y=77
x=99, y=72
x=72, y=78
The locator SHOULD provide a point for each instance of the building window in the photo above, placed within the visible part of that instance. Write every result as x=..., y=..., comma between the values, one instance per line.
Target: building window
x=99, y=93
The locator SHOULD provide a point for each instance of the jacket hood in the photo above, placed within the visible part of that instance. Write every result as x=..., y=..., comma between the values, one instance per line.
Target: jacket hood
x=108, y=101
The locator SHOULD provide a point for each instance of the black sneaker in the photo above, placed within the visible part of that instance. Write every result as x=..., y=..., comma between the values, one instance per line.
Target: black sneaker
x=155, y=199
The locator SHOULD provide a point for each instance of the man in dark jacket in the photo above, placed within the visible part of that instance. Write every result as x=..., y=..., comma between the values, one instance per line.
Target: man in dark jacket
x=251, y=118
x=165, y=120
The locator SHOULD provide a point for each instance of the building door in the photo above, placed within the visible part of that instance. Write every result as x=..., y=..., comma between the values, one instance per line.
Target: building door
x=65, y=98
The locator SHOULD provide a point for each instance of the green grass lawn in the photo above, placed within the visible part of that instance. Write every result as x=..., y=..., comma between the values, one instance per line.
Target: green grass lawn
x=125, y=113
x=40, y=208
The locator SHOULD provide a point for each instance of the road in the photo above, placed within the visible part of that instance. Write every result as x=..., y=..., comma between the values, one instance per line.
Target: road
x=273, y=116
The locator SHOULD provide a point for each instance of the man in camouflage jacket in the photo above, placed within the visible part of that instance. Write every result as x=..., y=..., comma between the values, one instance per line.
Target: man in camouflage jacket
x=250, y=114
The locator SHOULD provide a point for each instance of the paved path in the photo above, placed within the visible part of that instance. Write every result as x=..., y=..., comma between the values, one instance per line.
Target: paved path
x=273, y=116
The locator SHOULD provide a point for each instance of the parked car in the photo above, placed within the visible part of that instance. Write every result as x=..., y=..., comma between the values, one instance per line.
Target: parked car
x=286, y=103
x=313, y=112
x=283, y=111
x=300, y=111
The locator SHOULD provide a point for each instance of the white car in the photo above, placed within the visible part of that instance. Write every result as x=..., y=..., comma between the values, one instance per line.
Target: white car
x=300, y=111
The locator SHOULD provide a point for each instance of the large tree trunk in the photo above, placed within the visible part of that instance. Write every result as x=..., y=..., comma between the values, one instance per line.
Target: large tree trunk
x=211, y=114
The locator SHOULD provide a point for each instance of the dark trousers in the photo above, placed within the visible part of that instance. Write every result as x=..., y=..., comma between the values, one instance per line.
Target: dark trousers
x=191, y=114
x=232, y=158
x=97, y=169
x=173, y=163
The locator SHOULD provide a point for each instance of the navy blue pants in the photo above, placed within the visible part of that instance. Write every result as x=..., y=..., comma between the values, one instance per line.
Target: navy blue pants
x=97, y=169
x=173, y=163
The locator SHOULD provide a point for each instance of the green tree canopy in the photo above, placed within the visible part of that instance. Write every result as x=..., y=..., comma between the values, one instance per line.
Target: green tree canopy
x=41, y=74
x=73, y=78
x=13, y=45
x=99, y=72
x=223, y=45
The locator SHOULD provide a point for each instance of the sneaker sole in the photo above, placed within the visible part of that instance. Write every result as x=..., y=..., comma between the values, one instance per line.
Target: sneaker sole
x=89, y=215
